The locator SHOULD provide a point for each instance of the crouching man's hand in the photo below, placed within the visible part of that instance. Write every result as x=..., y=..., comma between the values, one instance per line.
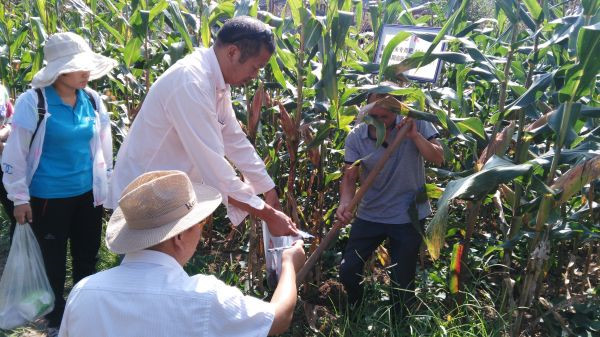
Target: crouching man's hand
x=284, y=298
x=294, y=256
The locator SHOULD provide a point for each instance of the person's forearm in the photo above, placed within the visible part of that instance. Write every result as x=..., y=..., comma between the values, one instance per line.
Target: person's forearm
x=347, y=189
x=431, y=152
x=266, y=213
x=4, y=132
x=272, y=199
x=284, y=299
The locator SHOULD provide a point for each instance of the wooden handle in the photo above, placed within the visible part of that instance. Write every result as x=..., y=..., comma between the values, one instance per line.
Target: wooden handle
x=334, y=231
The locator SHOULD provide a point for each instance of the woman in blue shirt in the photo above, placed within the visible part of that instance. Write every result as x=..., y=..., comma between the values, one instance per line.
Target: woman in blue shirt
x=58, y=158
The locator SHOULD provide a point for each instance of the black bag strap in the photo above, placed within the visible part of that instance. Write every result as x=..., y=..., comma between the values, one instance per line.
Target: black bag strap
x=91, y=97
x=41, y=109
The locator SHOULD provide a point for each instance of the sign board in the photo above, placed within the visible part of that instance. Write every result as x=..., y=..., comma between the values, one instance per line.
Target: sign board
x=426, y=73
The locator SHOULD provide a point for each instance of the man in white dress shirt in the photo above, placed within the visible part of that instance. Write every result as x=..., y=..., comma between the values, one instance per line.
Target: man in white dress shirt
x=158, y=225
x=187, y=123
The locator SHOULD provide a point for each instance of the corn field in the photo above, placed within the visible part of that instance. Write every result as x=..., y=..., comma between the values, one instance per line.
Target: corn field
x=513, y=246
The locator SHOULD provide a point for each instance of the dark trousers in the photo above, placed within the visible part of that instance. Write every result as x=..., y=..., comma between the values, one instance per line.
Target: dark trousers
x=56, y=221
x=404, y=243
x=8, y=206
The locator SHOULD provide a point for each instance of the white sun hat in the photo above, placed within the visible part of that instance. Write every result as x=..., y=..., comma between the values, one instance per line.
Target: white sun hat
x=155, y=207
x=67, y=53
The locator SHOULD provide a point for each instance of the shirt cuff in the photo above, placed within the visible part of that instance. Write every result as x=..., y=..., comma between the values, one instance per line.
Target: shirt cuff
x=236, y=215
x=20, y=202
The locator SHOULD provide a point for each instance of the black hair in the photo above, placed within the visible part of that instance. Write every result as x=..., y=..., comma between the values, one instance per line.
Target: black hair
x=248, y=34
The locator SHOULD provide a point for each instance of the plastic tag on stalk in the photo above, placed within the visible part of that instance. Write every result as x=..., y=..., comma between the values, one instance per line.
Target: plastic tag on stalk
x=274, y=247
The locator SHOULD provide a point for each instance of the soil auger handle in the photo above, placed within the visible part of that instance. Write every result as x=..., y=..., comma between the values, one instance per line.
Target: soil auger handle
x=334, y=231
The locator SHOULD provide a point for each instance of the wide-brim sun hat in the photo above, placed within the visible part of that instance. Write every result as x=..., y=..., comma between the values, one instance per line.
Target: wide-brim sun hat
x=66, y=53
x=155, y=207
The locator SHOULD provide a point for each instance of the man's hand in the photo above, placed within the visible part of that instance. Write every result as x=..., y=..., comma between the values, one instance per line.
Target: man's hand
x=23, y=214
x=344, y=213
x=431, y=150
x=272, y=199
x=284, y=298
x=279, y=223
x=294, y=255
x=412, y=132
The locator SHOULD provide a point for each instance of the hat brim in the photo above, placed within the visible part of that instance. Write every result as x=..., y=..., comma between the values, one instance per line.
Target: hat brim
x=121, y=239
x=96, y=64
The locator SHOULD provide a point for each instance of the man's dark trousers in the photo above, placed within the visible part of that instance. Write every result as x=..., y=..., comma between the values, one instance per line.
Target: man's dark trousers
x=365, y=237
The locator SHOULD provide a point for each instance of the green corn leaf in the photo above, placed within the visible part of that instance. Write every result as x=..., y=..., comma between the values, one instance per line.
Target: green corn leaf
x=38, y=32
x=341, y=23
x=474, y=187
x=379, y=128
x=535, y=10
x=179, y=23
x=157, y=9
x=581, y=77
x=115, y=33
x=295, y=6
x=474, y=125
x=389, y=49
x=205, y=27
x=132, y=51
x=590, y=7
x=358, y=14
x=447, y=26
x=540, y=84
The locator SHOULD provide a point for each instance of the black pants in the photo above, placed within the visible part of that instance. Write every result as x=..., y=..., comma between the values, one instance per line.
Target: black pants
x=56, y=221
x=8, y=206
x=365, y=237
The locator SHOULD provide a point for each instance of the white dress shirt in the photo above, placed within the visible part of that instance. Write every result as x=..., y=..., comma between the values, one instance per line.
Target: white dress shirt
x=187, y=123
x=150, y=294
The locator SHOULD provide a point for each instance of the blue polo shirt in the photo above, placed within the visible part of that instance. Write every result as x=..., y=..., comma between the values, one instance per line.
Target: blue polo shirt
x=65, y=168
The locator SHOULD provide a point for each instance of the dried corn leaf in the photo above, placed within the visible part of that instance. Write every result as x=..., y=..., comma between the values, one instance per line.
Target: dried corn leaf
x=574, y=179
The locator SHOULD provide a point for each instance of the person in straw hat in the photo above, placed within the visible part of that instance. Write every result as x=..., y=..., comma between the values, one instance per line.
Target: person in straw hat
x=158, y=225
x=58, y=158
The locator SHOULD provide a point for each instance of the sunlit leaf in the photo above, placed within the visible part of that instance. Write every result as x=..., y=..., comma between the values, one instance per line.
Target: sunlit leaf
x=474, y=125
x=474, y=187
x=379, y=128
x=582, y=76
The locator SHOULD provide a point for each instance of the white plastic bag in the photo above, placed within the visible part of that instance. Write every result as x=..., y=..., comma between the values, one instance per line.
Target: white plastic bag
x=25, y=293
x=274, y=247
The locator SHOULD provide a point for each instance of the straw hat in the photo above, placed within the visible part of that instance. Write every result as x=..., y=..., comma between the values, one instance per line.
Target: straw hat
x=67, y=53
x=155, y=207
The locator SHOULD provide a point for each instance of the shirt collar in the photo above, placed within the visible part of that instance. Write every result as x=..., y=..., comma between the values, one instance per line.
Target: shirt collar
x=217, y=73
x=153, y=257
x=365, y=132
x=52, y=97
